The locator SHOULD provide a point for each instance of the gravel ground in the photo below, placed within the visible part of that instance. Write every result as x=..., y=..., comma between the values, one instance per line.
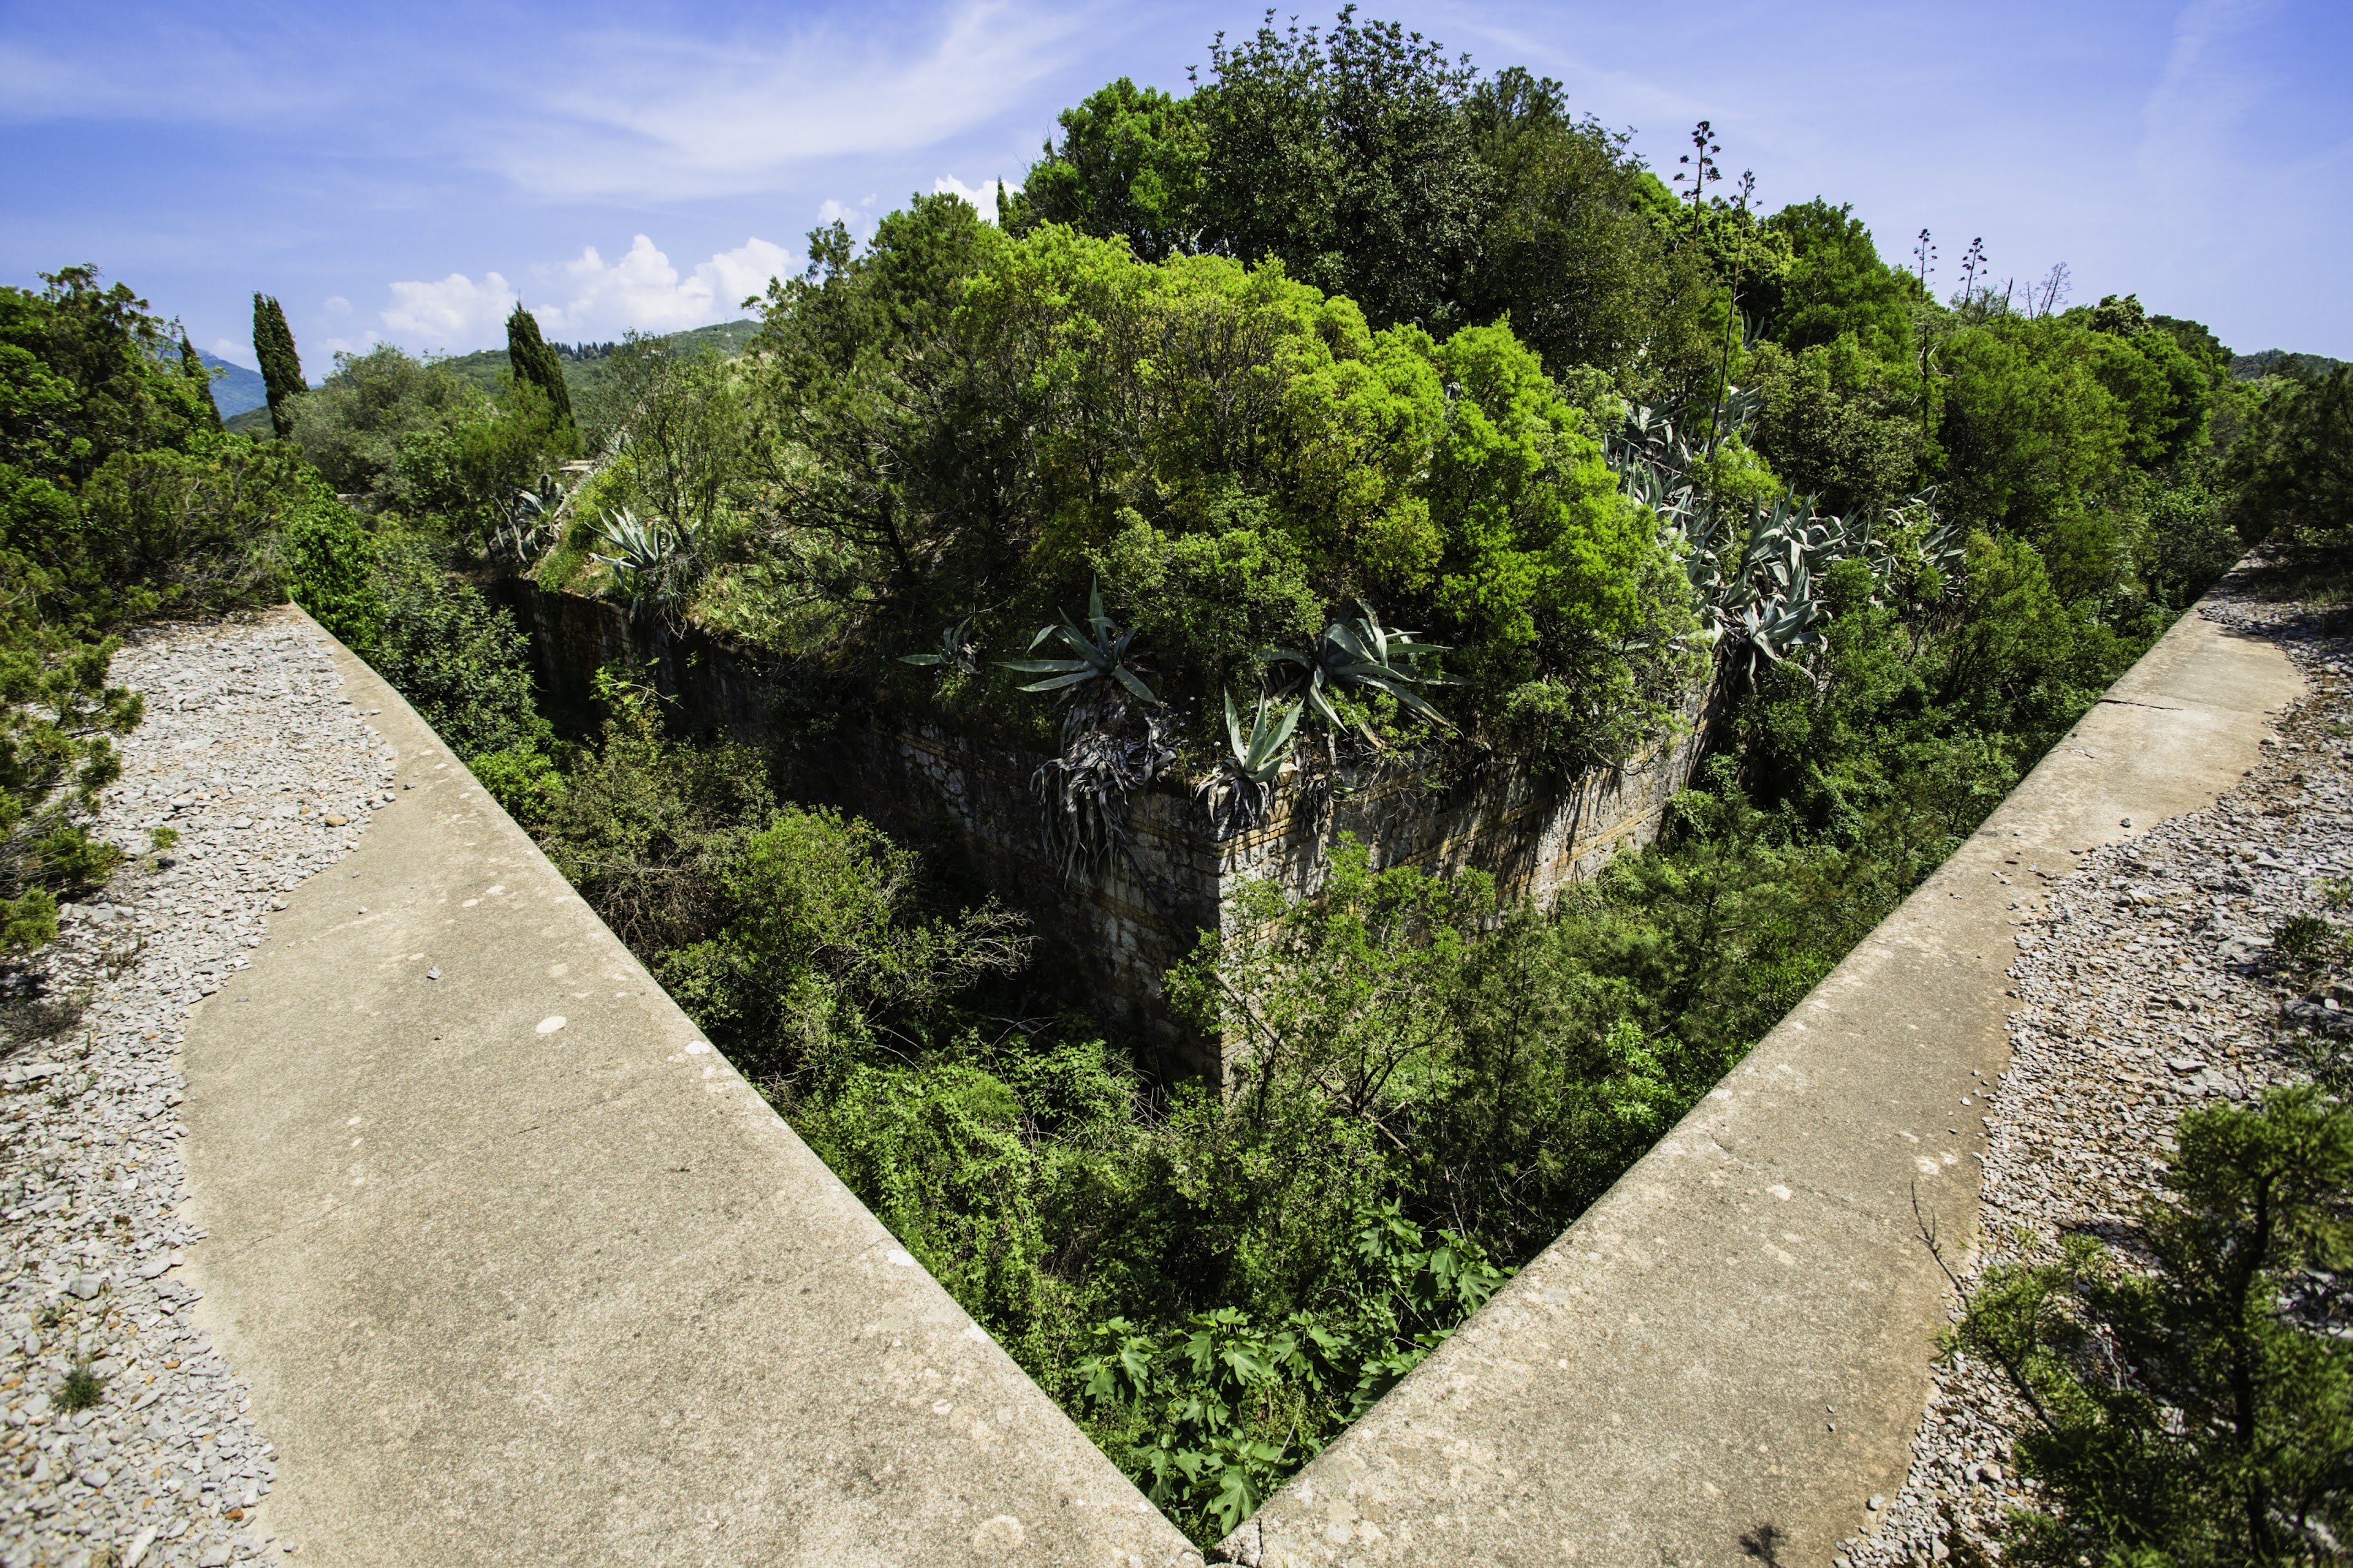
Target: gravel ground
x=267, y=773
x=2148, y=989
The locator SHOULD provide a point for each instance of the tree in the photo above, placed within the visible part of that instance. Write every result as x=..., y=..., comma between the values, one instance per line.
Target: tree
x=281, y=369
x=2192, y=1406
x=532, y=361
x=1346, y=155
x=2294, y=467
x=1129, y=161
x=200, y=376
x=1836, y=283
x=355, y=424
x=1568, y=253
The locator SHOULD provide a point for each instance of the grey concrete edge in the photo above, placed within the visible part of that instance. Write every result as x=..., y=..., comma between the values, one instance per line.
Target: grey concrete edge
x=1598, y=1407
x=1075, y=1484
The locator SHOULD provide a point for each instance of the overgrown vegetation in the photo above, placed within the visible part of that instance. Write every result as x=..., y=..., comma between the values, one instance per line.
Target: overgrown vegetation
x=1352, y=339
x=1357, y=406
x=119, y=500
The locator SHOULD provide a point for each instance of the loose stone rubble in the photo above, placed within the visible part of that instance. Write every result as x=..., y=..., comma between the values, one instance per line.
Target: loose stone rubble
x=2149, y=987
x=253, y=758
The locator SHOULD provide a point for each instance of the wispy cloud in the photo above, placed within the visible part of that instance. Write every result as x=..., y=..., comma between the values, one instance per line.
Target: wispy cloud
x=2190, y=118
x=665, y=118
x=131, y=76
x=644, y=112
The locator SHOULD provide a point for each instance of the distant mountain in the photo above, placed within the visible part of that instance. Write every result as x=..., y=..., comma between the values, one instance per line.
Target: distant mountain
x=235, y=388
x=584, y=363
x=2280, y=361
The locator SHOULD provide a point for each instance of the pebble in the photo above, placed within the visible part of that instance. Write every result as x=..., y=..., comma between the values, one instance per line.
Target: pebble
x=2147, y=987
x=250, y=753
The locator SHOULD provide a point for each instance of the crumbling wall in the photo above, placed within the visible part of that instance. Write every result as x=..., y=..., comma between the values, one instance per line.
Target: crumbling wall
x=1107, y=936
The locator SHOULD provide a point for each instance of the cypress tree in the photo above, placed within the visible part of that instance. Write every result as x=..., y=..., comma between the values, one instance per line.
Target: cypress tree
x=532, y=361
x=281, y=370
x=200, y=376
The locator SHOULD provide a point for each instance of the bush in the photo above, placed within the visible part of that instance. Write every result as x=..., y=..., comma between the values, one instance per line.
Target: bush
x=2192, y=1400
x=2293, y=471
x=463, y=663
x=118, y=499
x=330, y=572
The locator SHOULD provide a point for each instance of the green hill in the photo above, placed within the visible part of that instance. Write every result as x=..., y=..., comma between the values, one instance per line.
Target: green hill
x=2280, y=361
x=584, y=363
x=583, y=366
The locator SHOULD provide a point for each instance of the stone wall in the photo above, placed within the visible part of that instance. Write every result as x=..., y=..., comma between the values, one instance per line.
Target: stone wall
x=1108, y=937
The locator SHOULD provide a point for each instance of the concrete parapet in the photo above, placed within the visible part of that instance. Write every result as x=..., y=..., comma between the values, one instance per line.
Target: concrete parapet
x=1738, y=1334
x=521, y=1272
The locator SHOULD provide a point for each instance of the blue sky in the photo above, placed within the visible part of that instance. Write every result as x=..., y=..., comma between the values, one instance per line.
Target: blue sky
x=404, y=173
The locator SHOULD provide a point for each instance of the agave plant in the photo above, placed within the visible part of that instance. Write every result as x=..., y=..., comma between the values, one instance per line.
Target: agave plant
x=523, y=521
x=1239, y=793
x=1085, y=789
x=652, y=561
x=1762, y=606
x=958, y=653
x=1099, y=653
x=1360, y=651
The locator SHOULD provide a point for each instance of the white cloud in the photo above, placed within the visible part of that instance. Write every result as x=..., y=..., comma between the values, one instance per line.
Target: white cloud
x=236, y=352
x=643, y=290
x=745, y=272
x=982, y=197
x=858, y=219
x=453, y=315
x=588, y=297
x=337, y=306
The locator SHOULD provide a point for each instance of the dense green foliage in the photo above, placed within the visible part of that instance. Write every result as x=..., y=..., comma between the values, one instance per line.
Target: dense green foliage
x=1373, y=402
x=282, y=367
x=120, y=500
x=957, y=427
x=1209, y=1303
x=2293, y=470
x=417, y=446
x=1375, y=167
x=2192, y=1398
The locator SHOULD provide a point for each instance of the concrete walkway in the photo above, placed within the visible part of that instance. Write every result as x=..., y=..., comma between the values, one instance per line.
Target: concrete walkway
x=522, y=1273
x=1739, y=1334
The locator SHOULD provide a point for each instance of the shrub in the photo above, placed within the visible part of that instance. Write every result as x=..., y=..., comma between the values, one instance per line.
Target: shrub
x=463, y=663
x=2294, y=469
x=330, y=572
x=2193, y=1405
